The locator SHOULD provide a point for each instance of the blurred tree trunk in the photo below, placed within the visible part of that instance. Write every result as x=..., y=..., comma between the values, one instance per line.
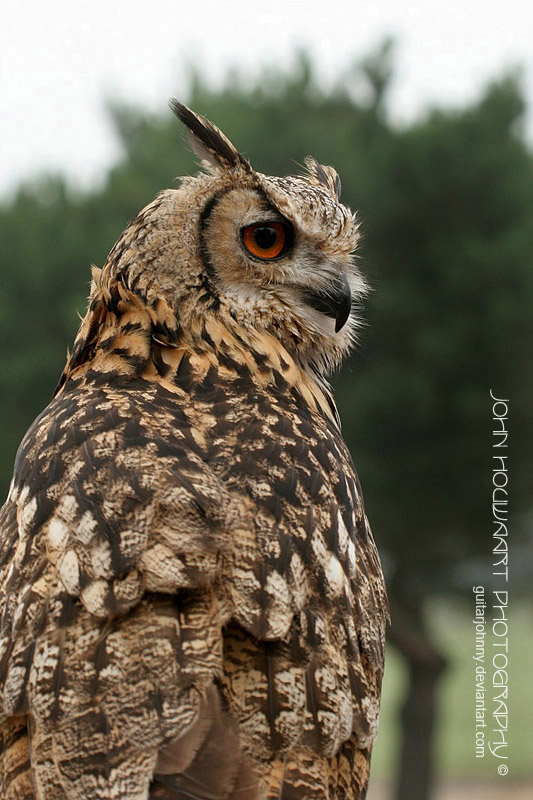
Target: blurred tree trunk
x=415, y=775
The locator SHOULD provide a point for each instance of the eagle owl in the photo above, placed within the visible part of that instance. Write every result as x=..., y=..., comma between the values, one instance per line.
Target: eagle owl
x=192, y=605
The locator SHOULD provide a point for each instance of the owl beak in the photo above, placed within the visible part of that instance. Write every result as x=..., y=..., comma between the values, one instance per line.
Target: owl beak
x=335, y=302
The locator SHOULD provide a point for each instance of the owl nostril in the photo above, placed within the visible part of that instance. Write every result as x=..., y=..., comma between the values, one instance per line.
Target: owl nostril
x=335, y=301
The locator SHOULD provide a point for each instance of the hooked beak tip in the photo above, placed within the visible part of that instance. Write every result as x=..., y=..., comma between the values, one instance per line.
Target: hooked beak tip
x=343, y=307
x=336, y=302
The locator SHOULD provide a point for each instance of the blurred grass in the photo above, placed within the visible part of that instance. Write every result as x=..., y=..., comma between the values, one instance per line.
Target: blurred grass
x=455, y=735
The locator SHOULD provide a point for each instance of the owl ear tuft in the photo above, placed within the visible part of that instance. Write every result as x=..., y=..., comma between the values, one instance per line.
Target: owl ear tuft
x=208, y=142
x=323, y=175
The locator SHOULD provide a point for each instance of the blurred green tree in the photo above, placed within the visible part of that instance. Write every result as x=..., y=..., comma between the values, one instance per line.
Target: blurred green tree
x=449, y=234
x=447, y=219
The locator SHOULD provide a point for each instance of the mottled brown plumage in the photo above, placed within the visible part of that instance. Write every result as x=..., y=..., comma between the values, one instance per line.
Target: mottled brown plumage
x=192, y=601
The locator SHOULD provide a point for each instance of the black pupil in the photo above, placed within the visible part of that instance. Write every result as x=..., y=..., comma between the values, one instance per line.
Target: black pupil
x=265, y=237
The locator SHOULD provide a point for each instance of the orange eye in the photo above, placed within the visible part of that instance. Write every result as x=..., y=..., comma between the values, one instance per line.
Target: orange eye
x=265, y=239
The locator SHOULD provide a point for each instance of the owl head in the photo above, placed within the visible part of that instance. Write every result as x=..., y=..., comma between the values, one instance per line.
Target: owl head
x=260, y=253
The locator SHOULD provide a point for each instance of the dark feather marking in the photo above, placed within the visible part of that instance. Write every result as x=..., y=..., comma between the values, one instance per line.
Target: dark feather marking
x=45, y=508
x=106, y=344
x=184, y=374
x=313, y=484
x=28, y=596
x=240, y=340
x=159, y=792
x=209, y=274
x=286, y=486
x=167, y=448
x=261, y=359
x=130, y=327
x=274, y=504
x=55, y=430
x=223, y=408
x=228, y=362
x=28, y=663
x=309, y=526
x=15, y=733
x=5, y=659
x=59, y=680
x=113, y=607
x=157, y=696
x=69, y=609
x=247, y=462
x=362, y=530
x=272, y=701
x=137, y=362
x=113, y=300
x=340, y=490
x=263, y=600
x=331, y=534
x=359, y=692
x=198, y=500
x=270, y=451
x=206, y=337
x=322, y=454
x=282, y=562
x=312, y=639
x=298, y=451
x=353, y=643
x=23, y=767
x=104, y=378
x=161, y=366
x=165, y=335
x=88, y=456
x=4, y=623
x=281, y=383
x=134, y=434
x=311, y=688
x=101, y=660
x=211, y=389
x=283, y=427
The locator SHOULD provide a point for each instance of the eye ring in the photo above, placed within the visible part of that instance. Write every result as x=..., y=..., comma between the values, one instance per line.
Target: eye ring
x=266, y=241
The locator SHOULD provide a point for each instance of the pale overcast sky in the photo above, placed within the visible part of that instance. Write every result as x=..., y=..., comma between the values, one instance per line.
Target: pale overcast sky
x=60, y=59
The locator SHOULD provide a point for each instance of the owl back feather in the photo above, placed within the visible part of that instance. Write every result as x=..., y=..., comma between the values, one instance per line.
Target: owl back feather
x=192, y=600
